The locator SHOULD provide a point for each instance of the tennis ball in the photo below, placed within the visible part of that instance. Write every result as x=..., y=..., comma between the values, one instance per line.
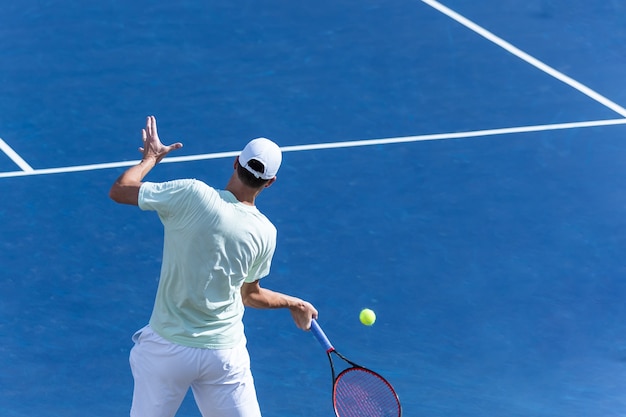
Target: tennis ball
x=367, y=317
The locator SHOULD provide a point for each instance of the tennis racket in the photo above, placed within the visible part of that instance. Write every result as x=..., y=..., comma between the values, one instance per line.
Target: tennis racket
x=358, y=391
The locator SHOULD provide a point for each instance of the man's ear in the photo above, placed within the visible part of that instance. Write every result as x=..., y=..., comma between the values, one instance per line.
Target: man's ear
x=270, y=182
x=236, y=163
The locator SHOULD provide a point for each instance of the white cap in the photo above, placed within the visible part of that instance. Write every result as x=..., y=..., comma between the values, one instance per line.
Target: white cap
x=266, y=152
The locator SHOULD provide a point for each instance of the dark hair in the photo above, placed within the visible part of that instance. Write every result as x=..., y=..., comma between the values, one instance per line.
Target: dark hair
x=248, y=177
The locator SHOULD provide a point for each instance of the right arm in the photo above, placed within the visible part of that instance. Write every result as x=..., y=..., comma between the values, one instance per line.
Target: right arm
x=302, y=312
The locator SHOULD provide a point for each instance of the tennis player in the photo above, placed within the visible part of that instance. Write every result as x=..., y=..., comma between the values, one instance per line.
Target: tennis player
x=217, y=247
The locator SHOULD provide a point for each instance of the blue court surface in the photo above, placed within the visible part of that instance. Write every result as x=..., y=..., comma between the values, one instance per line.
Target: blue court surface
x=458, y=167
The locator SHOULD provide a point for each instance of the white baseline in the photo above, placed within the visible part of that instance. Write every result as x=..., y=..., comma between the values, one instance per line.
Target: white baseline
x=331, y=145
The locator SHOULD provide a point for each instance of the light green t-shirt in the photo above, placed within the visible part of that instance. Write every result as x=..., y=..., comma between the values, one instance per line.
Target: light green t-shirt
x=212, y=245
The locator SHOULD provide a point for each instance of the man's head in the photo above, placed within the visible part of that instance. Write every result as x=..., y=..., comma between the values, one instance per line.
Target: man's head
x=259, y=162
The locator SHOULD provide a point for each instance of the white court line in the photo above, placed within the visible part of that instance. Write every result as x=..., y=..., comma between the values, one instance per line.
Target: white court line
x=331, y=145
x=526, y=57
x=27, y=170
x=14, y=156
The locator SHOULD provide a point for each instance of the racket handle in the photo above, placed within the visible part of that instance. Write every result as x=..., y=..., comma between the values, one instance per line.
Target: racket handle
x=321, y=336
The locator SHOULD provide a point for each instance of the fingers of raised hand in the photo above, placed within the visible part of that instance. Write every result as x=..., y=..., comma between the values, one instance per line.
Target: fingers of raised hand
x=175, y=146
x=151, y=127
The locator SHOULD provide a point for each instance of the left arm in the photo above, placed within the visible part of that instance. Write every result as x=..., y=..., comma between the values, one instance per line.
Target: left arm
x=255, y=296
x=125, y=189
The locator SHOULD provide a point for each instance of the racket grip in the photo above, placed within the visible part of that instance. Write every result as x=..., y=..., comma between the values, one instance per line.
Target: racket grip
x=321, y=336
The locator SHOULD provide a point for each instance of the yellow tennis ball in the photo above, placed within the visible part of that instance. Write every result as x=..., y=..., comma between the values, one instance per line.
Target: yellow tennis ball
x=367, y=317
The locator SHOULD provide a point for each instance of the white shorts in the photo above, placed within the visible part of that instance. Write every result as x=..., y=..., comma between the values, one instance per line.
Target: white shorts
x=220, y=379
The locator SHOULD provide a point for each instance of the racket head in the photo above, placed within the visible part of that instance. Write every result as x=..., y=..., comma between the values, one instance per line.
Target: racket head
x=360, y=392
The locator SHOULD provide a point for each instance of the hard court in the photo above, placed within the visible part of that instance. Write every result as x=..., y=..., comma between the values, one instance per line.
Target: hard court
x=456, y=166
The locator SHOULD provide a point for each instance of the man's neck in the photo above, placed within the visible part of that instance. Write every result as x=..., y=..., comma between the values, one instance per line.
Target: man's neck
x=243, y=194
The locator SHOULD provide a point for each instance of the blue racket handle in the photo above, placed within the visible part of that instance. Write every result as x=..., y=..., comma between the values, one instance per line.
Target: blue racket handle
x=321, y=336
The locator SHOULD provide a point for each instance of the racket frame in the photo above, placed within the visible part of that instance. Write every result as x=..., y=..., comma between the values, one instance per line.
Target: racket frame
x=330, y=350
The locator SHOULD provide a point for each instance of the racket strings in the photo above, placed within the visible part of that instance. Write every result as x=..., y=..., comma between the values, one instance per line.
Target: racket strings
x=360, y=392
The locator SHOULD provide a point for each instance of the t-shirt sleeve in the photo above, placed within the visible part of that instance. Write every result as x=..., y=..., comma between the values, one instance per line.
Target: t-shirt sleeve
x=164, y=197
x=261, y=267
